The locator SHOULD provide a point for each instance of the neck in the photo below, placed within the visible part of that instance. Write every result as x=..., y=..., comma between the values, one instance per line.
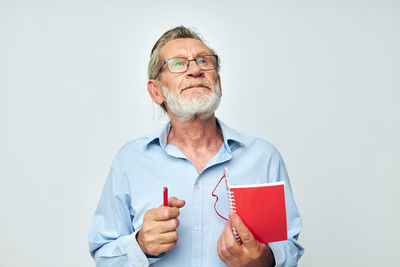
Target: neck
x=195, y=134
x=199, y=140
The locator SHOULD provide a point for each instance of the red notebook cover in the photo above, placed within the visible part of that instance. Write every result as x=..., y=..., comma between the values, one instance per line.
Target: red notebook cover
x=262, y=208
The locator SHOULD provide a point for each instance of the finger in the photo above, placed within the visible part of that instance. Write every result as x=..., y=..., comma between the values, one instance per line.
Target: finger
x=175, y=202
x=169, y=237
x=168, y=225
x=224, y=251
x=164, y=213
x=160, y=248
x=222, y=246
x=230, y=242
x=245, y=235
x=221, y=249
x=167, y=246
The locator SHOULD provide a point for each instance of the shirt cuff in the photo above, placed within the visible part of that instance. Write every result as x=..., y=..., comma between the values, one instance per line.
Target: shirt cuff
x=278, y=253
x=136, y=254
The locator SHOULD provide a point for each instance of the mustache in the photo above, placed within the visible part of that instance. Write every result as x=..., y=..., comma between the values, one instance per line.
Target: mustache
x=201, y=83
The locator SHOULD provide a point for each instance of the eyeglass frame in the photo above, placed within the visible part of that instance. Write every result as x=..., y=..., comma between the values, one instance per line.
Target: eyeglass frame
x=187, y=66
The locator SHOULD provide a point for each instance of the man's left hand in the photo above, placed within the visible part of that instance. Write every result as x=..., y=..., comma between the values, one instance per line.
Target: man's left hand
x=249, y=253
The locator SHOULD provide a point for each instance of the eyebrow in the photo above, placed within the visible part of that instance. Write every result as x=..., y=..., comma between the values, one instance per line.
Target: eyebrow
x=197, y=55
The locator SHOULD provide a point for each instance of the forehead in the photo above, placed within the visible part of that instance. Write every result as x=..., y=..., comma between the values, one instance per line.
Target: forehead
x=184, y=47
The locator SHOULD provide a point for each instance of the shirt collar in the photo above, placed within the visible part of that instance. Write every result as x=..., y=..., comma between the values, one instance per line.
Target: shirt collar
x=231, y=136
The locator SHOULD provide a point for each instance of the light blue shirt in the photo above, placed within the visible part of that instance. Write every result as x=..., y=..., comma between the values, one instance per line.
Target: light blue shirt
x=134, y=185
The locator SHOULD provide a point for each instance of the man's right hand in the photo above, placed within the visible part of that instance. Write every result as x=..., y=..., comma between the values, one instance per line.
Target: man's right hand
x=158, y=233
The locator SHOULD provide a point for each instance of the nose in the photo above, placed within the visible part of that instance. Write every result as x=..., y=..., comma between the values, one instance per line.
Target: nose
x=194, y=69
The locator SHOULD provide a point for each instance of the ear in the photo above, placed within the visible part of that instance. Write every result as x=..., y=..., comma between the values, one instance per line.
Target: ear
x=155, y=91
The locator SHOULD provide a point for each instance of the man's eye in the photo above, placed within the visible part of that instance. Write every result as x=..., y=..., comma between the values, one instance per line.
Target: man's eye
x=202, y=61
x=178, y=64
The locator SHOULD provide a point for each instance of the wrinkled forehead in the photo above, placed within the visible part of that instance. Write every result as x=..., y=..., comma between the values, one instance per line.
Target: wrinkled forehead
x=184, y=47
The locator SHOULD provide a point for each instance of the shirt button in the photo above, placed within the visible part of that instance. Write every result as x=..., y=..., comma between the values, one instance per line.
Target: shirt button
x=141, y=263
x=197, y=227
x=197, y=186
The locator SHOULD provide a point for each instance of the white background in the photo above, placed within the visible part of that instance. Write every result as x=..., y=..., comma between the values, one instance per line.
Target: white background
x=319, y=79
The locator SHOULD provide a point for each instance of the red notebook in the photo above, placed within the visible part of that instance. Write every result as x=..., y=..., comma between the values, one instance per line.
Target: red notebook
x=262, y=209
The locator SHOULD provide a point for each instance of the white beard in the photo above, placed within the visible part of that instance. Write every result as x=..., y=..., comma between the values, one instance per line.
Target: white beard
x=186, y=109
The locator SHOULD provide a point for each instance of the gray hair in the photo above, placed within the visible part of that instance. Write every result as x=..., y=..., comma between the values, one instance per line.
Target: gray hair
x=155, y=58
x=175, y=33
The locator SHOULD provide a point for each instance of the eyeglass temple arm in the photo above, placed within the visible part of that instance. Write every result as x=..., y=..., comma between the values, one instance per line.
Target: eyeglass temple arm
x=165, y=61
x=216, y=198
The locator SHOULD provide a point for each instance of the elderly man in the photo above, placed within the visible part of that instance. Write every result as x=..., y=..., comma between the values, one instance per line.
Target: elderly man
x=131, y=228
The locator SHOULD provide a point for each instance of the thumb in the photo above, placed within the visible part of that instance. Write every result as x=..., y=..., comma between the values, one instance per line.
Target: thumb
x=245, y=235
x=175, y=202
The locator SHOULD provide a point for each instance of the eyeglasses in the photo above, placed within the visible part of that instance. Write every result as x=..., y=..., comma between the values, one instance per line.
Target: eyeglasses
x=181, y=64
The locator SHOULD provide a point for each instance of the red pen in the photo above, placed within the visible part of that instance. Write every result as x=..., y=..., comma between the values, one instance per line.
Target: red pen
x=165, y=190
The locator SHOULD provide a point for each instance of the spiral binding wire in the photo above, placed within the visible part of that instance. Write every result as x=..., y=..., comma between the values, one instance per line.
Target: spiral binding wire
x=232, y=202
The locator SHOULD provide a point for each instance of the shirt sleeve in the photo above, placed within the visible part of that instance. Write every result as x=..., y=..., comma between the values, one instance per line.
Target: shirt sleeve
x=111, y=238
x=286, y=253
